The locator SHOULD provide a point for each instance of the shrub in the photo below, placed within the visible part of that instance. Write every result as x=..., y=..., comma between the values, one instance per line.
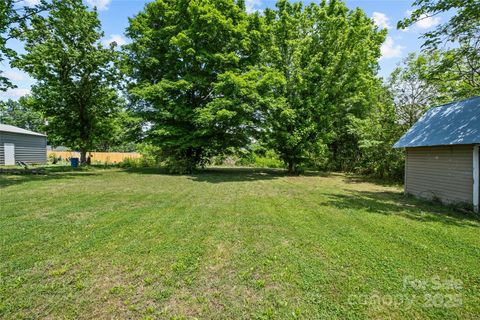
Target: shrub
x=143, y=162
x=259, y=157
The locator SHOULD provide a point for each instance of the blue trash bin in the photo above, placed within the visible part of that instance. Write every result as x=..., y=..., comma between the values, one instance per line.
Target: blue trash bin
x=74, y=162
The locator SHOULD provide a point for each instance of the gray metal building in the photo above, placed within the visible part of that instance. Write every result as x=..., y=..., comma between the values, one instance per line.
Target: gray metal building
x=442, y=154
x=17, y=144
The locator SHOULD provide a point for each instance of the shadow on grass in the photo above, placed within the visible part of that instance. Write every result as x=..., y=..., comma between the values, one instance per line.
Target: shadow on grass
x=47, y=173
x=395, y=203
x=224, y=174
x=220, y=175
x=355, y=178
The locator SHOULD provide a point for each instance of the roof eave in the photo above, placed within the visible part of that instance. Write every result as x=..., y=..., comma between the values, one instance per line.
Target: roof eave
x=395, y=146
x=25, y=133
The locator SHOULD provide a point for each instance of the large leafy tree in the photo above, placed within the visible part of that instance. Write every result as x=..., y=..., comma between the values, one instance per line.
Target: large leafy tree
x=183, y=57
x=13, y=14
x=74, y=72
x=461, y=33
x=326, y=57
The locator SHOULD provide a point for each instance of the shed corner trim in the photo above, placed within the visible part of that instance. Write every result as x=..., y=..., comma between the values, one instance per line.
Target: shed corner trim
x=476, y=177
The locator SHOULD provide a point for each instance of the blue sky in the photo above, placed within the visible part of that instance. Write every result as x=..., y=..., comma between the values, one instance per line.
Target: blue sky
x=114, y=16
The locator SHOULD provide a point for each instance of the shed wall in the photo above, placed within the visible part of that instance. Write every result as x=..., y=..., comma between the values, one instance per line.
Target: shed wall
x=444, y=172
x=28, y=148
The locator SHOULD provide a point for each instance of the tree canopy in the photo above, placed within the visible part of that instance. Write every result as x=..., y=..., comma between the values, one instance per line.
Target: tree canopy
x=76, y=76
x=460, y=34
x=13, y=15
x=326, y=56
x=181, y=56
x=208, y=77
x=205, y=79
x=22, y=114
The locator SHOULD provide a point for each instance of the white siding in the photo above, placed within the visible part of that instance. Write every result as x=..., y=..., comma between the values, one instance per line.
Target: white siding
x=440, y=172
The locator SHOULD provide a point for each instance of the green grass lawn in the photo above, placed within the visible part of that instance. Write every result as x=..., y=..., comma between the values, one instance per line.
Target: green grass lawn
x=225, y=244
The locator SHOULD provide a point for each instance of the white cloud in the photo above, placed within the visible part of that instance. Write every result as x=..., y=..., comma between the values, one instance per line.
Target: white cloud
x=119, y=39
x=30, y=3
x=15, y=75
x=381, y=20
x=391, y=50
x=16, y=93
x=100, y=4
x=252, y=5
x=426, y=22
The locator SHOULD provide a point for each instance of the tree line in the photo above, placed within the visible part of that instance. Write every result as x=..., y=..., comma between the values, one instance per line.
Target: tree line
x=200, y=80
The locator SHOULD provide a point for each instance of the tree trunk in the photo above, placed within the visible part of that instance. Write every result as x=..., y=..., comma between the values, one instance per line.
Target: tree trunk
x=190, y=160
x=292, y=166
x=83, y=156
